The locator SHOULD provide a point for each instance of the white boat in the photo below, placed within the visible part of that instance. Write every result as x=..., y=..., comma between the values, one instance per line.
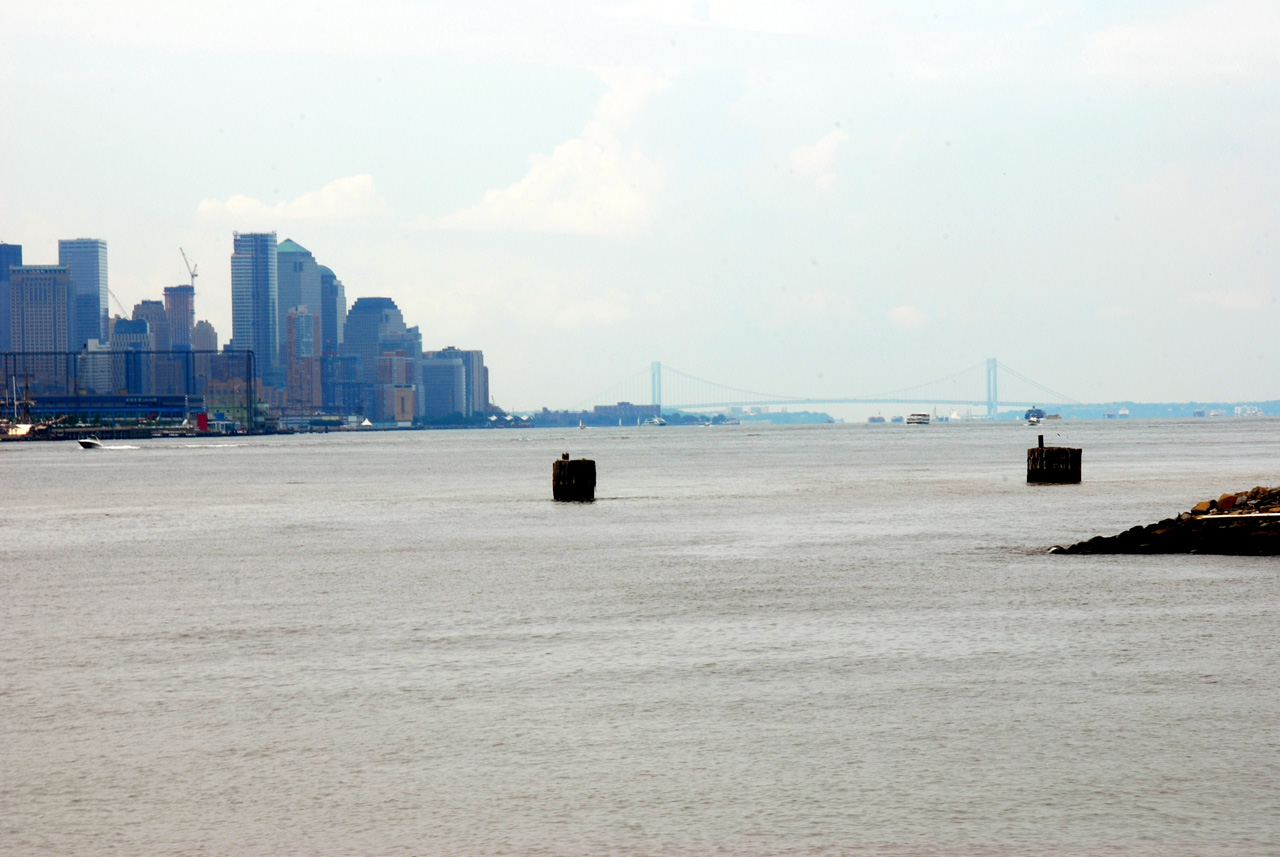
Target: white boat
x=917, y=419
x=654, y=421
x=90, y=442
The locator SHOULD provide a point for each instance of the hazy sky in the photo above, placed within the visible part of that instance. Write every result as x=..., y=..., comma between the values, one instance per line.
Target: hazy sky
x=801, y=197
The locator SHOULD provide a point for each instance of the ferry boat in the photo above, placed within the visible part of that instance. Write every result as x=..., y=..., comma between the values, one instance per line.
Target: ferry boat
x=917, y=419
x=654, y=421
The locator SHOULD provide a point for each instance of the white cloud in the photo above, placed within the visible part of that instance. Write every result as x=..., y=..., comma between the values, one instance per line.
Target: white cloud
x=1216, y=40
x=351, y=197
x=907, y=317
x=815, y=161
x=591, y=185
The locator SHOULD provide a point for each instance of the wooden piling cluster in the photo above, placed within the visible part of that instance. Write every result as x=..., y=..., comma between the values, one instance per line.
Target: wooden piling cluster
x=1054, y=464
x=573, y=480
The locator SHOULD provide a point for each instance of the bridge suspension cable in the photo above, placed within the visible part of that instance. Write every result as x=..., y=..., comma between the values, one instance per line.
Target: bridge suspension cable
x=746, y=394
x=1041, y=387
x=899, y=392
x=626, y=388
x=666, y=385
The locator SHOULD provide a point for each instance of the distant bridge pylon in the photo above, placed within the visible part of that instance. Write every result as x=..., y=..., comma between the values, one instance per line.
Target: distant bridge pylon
x=961, y=389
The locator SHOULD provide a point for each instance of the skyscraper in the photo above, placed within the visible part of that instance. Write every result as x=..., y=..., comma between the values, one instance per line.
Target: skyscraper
x=302, y=363
x=370, y=323
x=299, y=285
x=333, y=311
x=255, y=302
x=10, y=254
x=204, y=337
x=87, y=260
x=41, y=317
x=157, y=323
x=477, y=377
x=180, y=310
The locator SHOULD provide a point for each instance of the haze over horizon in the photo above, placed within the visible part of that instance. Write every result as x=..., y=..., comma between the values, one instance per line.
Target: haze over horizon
x=807, y=198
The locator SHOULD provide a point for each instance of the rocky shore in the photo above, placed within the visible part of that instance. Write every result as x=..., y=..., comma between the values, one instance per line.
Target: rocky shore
x=1244, y=524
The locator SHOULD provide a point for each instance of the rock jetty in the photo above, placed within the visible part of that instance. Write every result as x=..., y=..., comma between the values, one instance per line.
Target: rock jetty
x=1244, y=524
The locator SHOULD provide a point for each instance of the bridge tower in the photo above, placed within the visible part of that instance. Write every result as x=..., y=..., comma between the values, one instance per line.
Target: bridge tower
x=656, y=371
x=992, y=397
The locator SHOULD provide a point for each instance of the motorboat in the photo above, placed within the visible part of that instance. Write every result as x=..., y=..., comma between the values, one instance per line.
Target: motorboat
x=90, y=442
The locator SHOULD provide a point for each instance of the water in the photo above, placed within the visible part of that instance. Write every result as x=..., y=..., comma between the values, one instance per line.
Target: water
x=809, y=640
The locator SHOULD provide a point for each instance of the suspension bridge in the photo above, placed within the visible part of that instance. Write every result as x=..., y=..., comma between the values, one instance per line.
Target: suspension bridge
x=977, y=386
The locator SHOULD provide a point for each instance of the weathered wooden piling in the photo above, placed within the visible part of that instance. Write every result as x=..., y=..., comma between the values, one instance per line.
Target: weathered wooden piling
x=573, y=480
x=1060, y=464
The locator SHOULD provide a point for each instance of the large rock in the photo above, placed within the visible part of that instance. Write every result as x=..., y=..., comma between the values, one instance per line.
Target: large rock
x=1244, y=524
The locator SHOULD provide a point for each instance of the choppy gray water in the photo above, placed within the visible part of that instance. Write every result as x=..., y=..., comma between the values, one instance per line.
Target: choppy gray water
x=838, y=639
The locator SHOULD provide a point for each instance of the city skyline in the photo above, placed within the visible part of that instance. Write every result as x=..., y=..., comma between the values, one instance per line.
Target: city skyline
x=799, y=197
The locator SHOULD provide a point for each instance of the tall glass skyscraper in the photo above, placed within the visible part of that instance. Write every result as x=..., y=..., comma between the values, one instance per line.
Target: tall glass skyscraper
x=333, y=311
x=10, y=255
x=180, y=308
x=299, y=285
x=87, y=259
x=255, y=302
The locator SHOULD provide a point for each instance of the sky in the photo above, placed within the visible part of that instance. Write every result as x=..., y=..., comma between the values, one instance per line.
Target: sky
x=805, y=198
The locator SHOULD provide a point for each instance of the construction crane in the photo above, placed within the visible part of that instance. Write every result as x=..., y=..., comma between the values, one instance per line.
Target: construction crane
x=124, y=312
x=191, y=269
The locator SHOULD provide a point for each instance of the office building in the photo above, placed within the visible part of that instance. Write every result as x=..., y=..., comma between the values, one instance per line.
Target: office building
x=298, y=279
x=255, y=302
x=132, y=341
x=157, y=322
x=165, y=375
x=41, y=318
x=333, y=311
x=95, y=369
x=41, y=312
x=302, y=364
x=203, y=338
x=370, y=323
x=180, y=312
x=476, y=400
x=443, y=386
x=10, y=254
x=87, y=260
